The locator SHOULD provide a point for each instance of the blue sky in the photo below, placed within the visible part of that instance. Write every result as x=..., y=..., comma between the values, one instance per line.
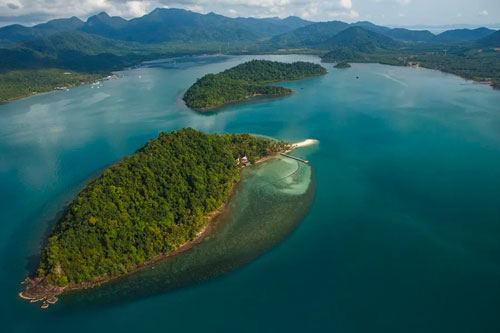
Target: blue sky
x=385, y=12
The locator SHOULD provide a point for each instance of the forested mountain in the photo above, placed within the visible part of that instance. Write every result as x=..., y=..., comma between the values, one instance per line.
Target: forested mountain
x=72, y=50
x=17, y=33
x=410, y=35
x=360, y=40
x=309, y=36
x=63, y=24
x=161, y=25
x=492, y=40
x=463, y=35
x=316, y=34
x=183, y=26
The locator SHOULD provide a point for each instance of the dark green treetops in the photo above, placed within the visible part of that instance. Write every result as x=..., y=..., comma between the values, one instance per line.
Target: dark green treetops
x=247, y=80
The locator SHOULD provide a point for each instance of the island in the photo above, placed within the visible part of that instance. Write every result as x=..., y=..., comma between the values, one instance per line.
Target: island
x=342, y=65
x=247, y=80
x=144, y=208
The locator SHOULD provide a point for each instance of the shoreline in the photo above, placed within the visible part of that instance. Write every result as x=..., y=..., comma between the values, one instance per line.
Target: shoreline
x=236, y=101
x=493, y=85
x=250, y=97
x=12, y=99
x=42, y=291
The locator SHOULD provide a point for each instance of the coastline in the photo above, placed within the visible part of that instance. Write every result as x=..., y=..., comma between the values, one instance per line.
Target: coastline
x=228, y=103
x=235, y=101
x=39, y=290
x=53, y=89
x=481, y=81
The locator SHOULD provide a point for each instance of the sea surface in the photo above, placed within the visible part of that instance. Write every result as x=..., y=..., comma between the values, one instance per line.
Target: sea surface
x=394, y=226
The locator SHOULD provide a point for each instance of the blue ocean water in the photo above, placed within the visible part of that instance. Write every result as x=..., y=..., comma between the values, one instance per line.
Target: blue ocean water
x=402, y=235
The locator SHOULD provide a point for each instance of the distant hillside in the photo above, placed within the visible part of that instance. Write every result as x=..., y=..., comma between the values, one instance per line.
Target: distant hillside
x=359, y=39
x=309, y=36
x=410, y=35
x=161, y=25
x=64, y=24
x=73, y=50
x=463, y=35
x=493, y=40
x=17, y=33
x=317, y=34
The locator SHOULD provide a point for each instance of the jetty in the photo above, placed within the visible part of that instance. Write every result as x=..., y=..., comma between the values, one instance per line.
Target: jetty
x=295, y=158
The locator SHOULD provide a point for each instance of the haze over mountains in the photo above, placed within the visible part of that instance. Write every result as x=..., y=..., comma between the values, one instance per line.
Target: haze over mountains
x=178, y=25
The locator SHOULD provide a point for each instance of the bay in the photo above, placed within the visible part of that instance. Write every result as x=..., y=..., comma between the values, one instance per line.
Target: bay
x=402, y=234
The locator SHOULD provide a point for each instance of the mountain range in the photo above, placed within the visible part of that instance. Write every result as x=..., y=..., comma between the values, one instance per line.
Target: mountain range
x=161, y=25
x=171, y=25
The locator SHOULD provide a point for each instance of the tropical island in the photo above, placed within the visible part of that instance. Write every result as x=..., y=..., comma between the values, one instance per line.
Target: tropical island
x=144, y=208
x=342, y=65
x=247, y=80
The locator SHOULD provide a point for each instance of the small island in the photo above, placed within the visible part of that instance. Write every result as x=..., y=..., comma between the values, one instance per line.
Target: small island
x=342, y=65
x=250, y=79
x=150, y=205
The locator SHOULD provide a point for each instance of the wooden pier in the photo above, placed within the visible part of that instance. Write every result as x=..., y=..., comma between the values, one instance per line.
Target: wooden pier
x=295, y=158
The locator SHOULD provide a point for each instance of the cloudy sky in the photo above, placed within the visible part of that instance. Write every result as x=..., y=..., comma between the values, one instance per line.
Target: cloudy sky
x=387, y=12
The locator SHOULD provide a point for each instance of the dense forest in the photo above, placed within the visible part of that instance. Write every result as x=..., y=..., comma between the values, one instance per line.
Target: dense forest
x=247, y=80
x=18, y=83
x=147, y=205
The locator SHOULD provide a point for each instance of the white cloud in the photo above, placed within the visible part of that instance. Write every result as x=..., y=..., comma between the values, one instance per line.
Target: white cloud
x=346, y=4
x=137, y=8
x=380, y=11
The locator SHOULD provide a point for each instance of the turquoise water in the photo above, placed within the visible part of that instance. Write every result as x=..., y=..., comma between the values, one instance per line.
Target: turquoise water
x=402, y=235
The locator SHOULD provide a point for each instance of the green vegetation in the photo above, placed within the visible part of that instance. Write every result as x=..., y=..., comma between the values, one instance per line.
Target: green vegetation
x=104, y=44
x=37, y=65
x=482, y=65
x=16, y=84
x=342, y=64
x=247, y=80
x=147, y=205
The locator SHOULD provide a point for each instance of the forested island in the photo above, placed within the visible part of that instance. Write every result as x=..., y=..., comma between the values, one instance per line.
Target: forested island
x=247, y=80
x=144, y=208
x=342, y=65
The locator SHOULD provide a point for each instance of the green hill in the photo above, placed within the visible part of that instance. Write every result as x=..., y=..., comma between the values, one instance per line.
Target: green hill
x=463, y=35
x=247, y=80
x=308, y=36
x=360, y=40
x=492, y=40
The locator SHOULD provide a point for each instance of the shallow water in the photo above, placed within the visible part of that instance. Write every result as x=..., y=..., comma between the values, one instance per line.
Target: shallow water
x=402, y=235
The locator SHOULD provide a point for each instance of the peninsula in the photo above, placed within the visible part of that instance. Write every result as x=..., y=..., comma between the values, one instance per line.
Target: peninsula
x=250, y=79
x=144, y=208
